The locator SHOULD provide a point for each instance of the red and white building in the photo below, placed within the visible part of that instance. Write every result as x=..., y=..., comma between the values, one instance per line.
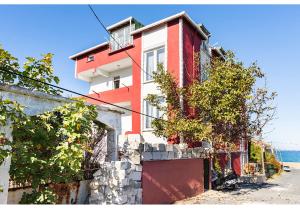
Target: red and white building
x=119, y=71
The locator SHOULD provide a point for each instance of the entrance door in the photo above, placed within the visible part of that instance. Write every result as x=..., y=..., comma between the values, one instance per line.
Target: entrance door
x=206, y=174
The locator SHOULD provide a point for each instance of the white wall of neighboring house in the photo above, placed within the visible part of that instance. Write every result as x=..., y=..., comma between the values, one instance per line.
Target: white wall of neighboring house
x=126, y=122
x=101, y=83
x=151, y=40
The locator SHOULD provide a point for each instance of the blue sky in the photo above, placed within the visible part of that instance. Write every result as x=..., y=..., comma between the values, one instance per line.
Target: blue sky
x=266, y=34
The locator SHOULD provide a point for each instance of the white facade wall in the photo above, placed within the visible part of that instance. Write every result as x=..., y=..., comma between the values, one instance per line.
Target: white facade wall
x=151, y=40
x=101, y=83
x=126, y=122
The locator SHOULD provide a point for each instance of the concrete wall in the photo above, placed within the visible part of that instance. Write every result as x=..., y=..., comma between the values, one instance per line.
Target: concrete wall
x=76, y=194
x=172, y=172
x=36, y=103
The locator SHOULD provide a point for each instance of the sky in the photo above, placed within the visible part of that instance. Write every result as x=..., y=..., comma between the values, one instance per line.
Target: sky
x=267, y=34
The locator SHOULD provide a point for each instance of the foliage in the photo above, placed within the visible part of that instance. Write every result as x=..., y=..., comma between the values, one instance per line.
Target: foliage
x=217, y=166
x=271, y=158
x=42, y=70
x=223, y=109
x=261, y=111
x=9, y=111
x=45, y=196
x=39, y=69
x=177, y=124
x=255, y=153
x=50, y=147
x=7, y=63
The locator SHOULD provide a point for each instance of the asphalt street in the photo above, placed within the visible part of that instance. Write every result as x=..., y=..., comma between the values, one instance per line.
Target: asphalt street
x=283, y=189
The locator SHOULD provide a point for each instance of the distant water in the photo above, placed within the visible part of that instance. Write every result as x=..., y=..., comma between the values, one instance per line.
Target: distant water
x=288, y=156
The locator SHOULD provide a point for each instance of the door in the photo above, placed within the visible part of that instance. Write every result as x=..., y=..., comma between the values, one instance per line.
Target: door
x=206, y=173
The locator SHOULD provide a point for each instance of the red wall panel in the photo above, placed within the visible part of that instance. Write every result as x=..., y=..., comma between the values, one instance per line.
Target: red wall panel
x=165, y=182
x=236, y=162
x=173, y=49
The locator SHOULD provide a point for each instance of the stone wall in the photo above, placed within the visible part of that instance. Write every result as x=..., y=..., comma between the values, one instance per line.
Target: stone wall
x=119, y=182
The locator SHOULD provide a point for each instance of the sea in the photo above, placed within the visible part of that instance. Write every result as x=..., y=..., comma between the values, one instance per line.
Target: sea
x=288, y=156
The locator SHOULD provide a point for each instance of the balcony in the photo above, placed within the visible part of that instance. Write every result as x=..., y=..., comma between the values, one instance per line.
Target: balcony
x=105, y=70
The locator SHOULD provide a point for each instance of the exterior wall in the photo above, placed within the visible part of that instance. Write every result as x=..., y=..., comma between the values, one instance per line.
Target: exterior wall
x=77, y=193
x=101, y=84
x=165, y=182
x=191, y=44
x=126, y=120
x=151, y=40
x=236, y=162
x=136, y=78
x=102, y=56
x=121, y=95
x=174, y=49
x=36, y=103
x=147, y=169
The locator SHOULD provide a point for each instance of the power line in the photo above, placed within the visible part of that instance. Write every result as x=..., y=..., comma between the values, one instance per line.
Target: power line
x=119, y=45
x=77, y=93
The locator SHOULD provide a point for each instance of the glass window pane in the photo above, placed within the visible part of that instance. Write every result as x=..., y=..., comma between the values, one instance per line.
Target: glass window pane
x=161, y=56
x=149, y=65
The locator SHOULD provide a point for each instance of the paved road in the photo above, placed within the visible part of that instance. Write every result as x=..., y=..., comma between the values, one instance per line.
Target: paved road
x=284, y=189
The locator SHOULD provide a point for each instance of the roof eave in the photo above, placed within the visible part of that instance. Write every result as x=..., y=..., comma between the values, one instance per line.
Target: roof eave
x=178, y=15
x=87, y=50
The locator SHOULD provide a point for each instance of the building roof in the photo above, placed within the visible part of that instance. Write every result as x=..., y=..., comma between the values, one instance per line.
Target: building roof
x=219, y=50
x=120, y=23
x=205, y=34
x=88, y=50
x=178, y=15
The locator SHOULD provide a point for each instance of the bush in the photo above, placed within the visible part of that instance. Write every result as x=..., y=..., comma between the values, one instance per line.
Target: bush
x=45, y=196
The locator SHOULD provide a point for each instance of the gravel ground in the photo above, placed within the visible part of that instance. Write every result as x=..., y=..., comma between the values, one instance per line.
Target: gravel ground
x=283, y=189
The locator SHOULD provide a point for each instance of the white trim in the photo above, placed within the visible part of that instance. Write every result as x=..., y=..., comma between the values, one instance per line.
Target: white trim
x=75, y=70
x=119, y=23
x=88, y=50
x=181, y=14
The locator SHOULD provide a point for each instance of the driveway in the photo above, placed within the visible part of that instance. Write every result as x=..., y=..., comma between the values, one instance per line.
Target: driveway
x=283, y=189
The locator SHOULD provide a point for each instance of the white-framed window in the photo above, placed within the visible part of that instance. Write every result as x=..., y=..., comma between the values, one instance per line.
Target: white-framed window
x=151, y=112
x=204, y=60
x=121, y=38
x=152, y=59
x=90, y=58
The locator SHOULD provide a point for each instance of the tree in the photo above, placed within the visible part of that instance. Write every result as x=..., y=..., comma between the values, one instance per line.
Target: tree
x=50, y=148
x=7, y=63
x=40, y=69
x=222, y=106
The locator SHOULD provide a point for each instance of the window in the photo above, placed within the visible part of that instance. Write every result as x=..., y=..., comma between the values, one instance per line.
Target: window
x=151, y=111
x=90, y=58
x=117, y=82
x=121, y=38
x=153, y=58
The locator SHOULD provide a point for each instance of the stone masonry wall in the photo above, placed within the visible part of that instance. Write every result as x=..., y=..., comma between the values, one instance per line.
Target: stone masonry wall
x=119, y=182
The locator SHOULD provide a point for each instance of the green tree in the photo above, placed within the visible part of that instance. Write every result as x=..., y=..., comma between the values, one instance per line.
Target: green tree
x=50, y=148
x=39, y=69
x=222, y=106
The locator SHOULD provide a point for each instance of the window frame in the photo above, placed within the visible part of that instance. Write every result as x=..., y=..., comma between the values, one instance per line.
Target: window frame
x=90, y=58
x=116, y=79
x=155, y=62
x=155, y=113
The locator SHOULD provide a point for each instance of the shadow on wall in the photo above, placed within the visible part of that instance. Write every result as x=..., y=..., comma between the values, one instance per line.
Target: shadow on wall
x=165, y=182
